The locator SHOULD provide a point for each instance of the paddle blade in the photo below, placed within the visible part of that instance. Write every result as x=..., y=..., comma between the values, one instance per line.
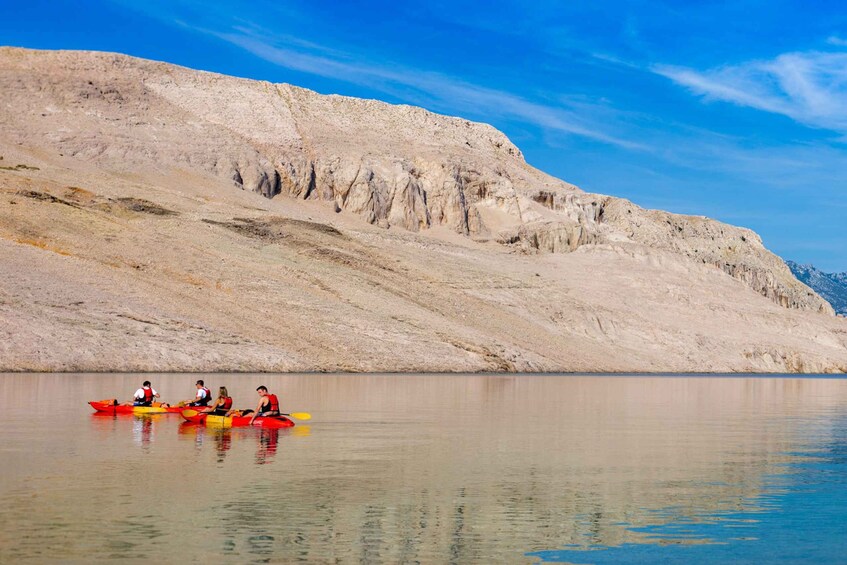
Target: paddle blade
x=301, y=415
x=190, y=413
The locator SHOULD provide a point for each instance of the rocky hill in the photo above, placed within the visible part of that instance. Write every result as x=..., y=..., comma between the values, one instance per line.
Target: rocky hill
x=154, y=217
x=831, y=286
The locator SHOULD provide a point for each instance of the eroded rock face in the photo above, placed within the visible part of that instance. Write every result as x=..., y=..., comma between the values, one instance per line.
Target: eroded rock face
x=393, y=166
x=737, y=251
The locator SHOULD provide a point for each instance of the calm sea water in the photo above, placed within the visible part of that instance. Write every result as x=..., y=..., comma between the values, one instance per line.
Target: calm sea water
x=431, y=469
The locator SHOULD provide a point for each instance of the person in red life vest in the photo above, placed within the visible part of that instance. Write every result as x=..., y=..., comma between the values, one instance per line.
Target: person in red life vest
x=268, y=404
x=144, y=396
x=223, y=404
x=203, y=397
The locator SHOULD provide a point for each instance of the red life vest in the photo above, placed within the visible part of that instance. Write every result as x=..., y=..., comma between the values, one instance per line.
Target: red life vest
x=227, y=403
x=272, y=405
x=206, y=399
x=148, y=395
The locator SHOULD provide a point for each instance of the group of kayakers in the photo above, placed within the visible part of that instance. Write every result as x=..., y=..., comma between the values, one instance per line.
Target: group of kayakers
x=222, y=405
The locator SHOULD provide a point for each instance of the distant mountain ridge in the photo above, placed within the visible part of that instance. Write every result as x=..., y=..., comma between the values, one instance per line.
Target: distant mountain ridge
x=831, y=286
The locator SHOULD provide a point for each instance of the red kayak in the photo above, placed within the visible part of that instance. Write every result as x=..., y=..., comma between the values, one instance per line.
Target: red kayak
x=110, y=407
x=212, y=420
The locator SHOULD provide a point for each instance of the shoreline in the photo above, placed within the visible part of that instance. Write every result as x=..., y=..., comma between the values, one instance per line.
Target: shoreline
x=633, y=374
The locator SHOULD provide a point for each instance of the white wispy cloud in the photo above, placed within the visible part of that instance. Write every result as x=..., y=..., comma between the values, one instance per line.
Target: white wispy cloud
x=434, y=90
x=809, y=87
x=421, y=86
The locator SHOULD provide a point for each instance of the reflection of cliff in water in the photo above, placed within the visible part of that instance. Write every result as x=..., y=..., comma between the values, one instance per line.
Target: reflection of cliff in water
x=529, y=464
x=799, y=518
x=836, y=447
x=468, y=468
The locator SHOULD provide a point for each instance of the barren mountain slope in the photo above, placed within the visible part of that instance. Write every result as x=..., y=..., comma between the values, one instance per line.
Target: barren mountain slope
x=392, y=165
x=126, y=242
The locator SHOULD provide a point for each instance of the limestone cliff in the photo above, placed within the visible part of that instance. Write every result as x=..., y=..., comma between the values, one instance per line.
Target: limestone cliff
x=158, y=218
x=390, y=165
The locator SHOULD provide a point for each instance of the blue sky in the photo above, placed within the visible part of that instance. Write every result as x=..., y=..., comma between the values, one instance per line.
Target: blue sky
x=735, y=110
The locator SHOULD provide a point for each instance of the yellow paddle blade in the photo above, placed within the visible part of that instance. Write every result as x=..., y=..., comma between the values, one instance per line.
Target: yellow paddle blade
x=301, y=415
x=190, y=413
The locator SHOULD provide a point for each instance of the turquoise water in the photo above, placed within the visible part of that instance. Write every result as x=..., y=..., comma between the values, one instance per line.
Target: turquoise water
x=431, y=469
x=800, y=517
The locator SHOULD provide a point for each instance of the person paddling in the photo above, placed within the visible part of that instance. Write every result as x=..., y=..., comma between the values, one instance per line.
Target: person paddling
x=144, y=396
x=203, y=397
x=223, y=404
x=268, y=404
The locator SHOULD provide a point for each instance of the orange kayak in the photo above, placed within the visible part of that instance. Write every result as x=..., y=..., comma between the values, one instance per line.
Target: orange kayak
x=110, y=407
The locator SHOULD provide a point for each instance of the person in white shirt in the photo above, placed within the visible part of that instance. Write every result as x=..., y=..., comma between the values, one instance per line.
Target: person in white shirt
x=145, y=395
x=203, y=397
